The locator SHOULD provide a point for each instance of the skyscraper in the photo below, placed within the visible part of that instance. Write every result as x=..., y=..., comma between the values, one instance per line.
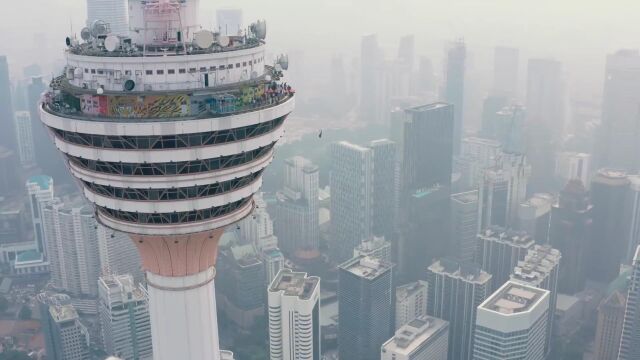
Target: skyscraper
x=512, y=323
x=477, y=154
x=40, y=191
x=505, y=72
x=427, y=135
x=607, y=241
x=464, y=225
x=570, y=232
x=351, y=197
x=411, y=302
x=72, y=245
x=189, y=137
x=115, y=13
x=422, y=338
x=375, y=247
x=619, y=136
x=572, y=165
x=8, y=133
x=294, y=316
x=26, y=150
x=540, y=269
x=609, y=326
x=629, y=344
x=502, y=189
x=366, y=298
x=454, y=88
x=65, y=337
x=371, y=84
x=425, y=177
x=632, y=209
x=118, y=254
x=124, y=318
x=499, y=251
x=242, y=287
x=296, y=221
x=534, y=216
x=455, y=292
x=545, y=118
x=384, y=188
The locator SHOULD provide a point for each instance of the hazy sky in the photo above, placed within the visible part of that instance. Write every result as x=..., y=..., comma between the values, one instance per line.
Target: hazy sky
x=578, y=32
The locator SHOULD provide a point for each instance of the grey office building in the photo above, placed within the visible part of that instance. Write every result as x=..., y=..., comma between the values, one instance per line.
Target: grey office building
x=366, y=296
x=455, y=292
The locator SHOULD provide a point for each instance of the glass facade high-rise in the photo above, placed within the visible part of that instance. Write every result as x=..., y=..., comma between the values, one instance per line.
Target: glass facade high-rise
x=618, y=142
x=630, y=339
x=455, y=292
x=366, y=295
x=454, y=88
x=7, y=135
x=607, y=243
x=351, y=197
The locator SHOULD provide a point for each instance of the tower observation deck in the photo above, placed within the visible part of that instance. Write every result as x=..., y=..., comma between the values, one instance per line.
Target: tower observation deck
x=167, y=132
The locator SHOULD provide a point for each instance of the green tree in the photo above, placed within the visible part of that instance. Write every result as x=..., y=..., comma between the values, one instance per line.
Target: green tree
x=25, y=313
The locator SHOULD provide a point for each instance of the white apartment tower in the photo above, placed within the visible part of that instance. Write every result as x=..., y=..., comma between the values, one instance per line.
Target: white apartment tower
x=411, y=302
x=72, y=244
x=40, y=191
x=297, y=207
x=423, y=338
x=294, y=310
x=24, y=135
x=351, y=197
x=118, y=255
x=512, y=323
x=124, y=318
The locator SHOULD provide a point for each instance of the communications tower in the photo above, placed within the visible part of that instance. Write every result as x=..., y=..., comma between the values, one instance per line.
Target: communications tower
x=167, y=131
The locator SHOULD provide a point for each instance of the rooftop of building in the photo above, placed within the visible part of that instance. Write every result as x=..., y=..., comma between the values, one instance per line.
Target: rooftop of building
x=366, y=267
x=123, y=284
x=297, y=284
x=407, y=290
x=512, y=237
x=373, y=243
x=468, y=197
x=469, y=272
x=539, y=200
x=513, y=298
x=29, y=256
x=381, y=142
x=613, y=177
x=482, y=141
x=43, y=181
x=353, y=146
x=245, y=255
x=424, y=192
x=427, y=107
x=304, y=163
x=539, y=262
x=415, y=333
x=61, y=313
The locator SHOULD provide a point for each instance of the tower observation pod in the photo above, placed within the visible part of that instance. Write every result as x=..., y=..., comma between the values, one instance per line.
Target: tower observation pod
x=168, y=131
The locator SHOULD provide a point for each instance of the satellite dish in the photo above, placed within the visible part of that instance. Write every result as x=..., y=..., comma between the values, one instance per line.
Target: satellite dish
x=85, y=34
x=260, y=29
x=203, y=39
x=99, y=28
x=111, y=43
x=77, y=73
x=224, y=41
x=129, y=85
x=67, y=41
x=100, y=90
x=283, y=61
